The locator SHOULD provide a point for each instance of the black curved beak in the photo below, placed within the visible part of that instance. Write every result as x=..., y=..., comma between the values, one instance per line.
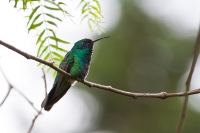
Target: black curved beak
x=100, y=38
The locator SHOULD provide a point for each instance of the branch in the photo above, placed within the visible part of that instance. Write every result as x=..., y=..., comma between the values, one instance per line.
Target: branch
x=45, y=82
x=28, y=56
x=9, y=90
x=39, y=112
x=10, y=87
x=31, y=103
x=33, y=121
x=185, y=104
x=161, y=95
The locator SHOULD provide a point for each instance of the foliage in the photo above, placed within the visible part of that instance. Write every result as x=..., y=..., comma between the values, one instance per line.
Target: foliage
x=42, y=18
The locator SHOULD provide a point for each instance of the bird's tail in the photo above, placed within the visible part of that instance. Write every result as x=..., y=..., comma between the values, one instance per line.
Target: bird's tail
x=54, y=96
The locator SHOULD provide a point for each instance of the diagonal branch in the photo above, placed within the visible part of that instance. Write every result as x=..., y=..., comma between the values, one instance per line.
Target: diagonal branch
x=31, y=103
x=33, y=121
x=185, y=104
x=10, y=87
x=9, y=90
x=161, y=95
x=39, y=112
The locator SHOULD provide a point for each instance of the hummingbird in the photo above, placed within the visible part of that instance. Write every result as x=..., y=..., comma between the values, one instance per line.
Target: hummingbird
x=77, y=63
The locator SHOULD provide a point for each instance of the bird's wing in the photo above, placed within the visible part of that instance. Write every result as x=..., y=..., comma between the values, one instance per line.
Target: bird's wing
x=66, y=66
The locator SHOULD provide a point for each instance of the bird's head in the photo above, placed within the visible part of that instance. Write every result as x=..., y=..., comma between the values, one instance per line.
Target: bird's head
x=86, y=43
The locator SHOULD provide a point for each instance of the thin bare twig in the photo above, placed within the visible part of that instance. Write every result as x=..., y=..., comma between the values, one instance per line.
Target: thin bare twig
x=185, y=104
x=45, y=82
x=31, y=103
x=9, y=89
x=33, y=121
x=161, y=95
x=39, y=112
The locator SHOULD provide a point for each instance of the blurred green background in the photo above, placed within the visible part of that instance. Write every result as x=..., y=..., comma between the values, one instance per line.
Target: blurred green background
x=142, y=55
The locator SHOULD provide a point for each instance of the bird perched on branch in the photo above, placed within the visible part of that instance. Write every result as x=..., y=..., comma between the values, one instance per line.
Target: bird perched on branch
x=76, y=62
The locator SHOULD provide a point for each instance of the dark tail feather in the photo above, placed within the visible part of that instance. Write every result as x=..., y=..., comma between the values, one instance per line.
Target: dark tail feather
x=51, y=99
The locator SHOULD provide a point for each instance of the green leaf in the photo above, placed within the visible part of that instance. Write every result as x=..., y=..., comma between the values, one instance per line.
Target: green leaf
x=58, y=55
x=16, y=1
x=56, y=64
x=53, y=35
x=40, y=36
x=90, y=25
x=85, y=8
x=52, y=32
x=51, y=2
x=39, y=64
x=61, y=3
x=47, y=56
x=32, y=13
x=80, y=4
x=41, y=45
x=98, y=4
x=36, y=18
x=52, y=8
x=96, y=9
x=54, y=73
x=33, y=26
x=48, y=69
x=84, y=17
x=58, y=48
x=93, y=14
x=52, y=23
x=53, y=17
x=59, y=40
x=57, y=59
x=44, y=50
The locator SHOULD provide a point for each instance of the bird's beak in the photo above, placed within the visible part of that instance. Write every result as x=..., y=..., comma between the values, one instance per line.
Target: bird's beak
x=100, y=38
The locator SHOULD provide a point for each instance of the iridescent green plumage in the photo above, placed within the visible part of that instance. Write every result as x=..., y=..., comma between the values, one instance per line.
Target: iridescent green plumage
x=76, y=62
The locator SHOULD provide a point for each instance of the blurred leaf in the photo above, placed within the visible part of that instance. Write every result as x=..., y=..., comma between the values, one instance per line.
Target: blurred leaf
x=84, y=17
x=44, y=50
x=96, y=9
x=57, y=59
x=54, y=73
x=95, y=15
x=51, y=2
x=52, y=23
x=90, y=26
x=98, y=4
x=52, y=8
x=41, y=45
x=59, y=40
x=61, y=3
x=80, y=3
x=58, y=48
x=47, y=56
x=84, y=8
x=58, y=55
x=33, y=26
x=39, y=64
x=16, y=1
x=54, y=34
x=40, y=36
x=53, y=17
x=48, y=69
x=32, y=13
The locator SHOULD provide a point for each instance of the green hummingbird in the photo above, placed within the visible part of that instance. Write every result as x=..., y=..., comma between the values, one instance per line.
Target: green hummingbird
x=76, y=62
